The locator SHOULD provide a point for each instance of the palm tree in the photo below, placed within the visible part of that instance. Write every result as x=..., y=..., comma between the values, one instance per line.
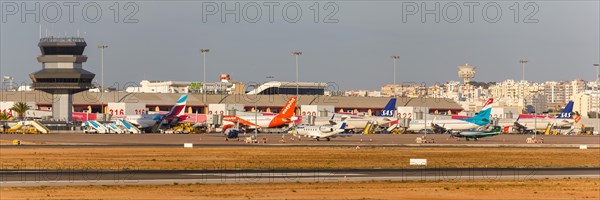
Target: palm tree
x=20, y=108
x=3, y=116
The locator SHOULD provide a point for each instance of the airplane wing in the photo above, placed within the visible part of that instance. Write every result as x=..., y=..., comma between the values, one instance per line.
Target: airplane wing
x=241, y=121
x=341, y=135
x=438, y=128
x=474, y=134
x=387, y=119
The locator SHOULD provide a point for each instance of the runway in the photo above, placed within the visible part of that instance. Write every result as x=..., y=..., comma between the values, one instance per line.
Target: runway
x=213, y=140
x=150, y=177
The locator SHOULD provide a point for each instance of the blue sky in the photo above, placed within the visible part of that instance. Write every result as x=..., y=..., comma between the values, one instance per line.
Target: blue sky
x=353, y=52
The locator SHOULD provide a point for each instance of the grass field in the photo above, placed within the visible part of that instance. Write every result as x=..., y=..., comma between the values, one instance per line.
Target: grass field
x=501, y=189
x=288, y=158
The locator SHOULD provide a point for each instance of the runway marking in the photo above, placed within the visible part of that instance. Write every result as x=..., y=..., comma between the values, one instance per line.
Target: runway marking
x=26, y=171
x=276, y=174
x=272, y=180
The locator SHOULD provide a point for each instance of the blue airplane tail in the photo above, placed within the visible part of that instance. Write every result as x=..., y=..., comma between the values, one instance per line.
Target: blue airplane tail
x=343, y=126
x=482, y=118
x=388, y=110
x=567, y=112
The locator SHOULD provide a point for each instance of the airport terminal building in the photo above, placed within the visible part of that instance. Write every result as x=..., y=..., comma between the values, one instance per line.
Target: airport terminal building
x=289, y=88
x=92, y=101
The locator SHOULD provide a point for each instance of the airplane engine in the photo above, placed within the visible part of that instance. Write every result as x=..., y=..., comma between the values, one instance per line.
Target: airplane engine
x=520, y=127
x=438, y=129
x=326, y=129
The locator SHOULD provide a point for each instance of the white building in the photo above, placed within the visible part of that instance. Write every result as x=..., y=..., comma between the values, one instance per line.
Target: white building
x=147, y=86
x=224, y=86
x=586, y=102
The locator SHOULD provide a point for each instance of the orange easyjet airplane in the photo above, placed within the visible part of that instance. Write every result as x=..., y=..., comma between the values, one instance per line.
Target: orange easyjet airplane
x=284, y=117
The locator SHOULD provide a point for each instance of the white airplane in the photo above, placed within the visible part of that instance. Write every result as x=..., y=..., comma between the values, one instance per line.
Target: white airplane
x=565, y=118
x=176, y=114
x=285, y=117
x=482, y=118
x=319, y=132
x=359, y=122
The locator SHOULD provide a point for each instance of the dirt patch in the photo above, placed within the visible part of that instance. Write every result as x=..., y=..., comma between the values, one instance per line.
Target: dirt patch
x=288, y=158
x=502, y=189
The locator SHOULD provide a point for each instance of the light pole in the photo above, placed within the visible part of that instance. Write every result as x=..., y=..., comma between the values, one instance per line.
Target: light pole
x=2, y=85
x=102, y=47
x=535, y=117
x=256, y=116
x=296, y=54
x=597, y=73
x=394, y=58
x=598, y=90
x=523, y=62
x=204, y=51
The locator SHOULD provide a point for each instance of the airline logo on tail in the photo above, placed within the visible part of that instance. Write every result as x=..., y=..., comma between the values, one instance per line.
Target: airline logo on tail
x=179, y=107
x=567, y=113
x=483, y=117
x=488, y=104
x=288, y=110
x=388, y=110
x=285, y=116
x=343, y=126
x=176, y=114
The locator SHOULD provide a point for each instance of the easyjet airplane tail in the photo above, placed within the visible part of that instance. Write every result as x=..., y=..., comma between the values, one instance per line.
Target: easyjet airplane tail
x=289, y=109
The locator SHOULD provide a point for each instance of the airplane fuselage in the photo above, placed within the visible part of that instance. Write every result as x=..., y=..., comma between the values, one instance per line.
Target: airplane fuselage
x=448, y=124
x=538, y=124
x=142, y=121
x=354, y=122
x=317, y=132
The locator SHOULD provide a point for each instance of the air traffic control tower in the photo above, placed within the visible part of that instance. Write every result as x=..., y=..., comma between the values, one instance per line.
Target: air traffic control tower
x=62, y=74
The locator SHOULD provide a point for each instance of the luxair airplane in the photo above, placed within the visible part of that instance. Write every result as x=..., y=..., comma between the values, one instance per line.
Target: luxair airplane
x=482, y=118
x=176, y=114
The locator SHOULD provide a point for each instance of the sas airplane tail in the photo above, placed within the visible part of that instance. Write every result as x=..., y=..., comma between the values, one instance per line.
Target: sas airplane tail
x=388, y=110
x=483, y=117
x=567, y=113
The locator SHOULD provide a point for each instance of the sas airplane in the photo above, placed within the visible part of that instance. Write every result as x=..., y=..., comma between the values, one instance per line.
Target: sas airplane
x=155, y=121
x=359, y=122
x=264, y=121
x=482, y=118
x=565, y=118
